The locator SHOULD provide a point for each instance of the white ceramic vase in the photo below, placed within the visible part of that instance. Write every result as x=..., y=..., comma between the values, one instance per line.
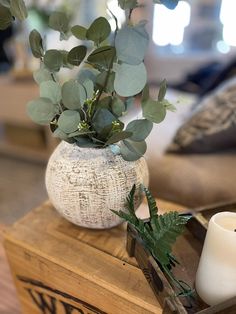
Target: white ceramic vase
x=84, y=184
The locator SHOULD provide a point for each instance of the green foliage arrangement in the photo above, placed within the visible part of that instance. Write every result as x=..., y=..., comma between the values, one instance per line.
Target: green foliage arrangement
x=87, y=110
x=159, y=234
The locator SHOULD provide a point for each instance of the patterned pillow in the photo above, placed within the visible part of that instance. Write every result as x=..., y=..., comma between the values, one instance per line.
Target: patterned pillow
x=212, y=127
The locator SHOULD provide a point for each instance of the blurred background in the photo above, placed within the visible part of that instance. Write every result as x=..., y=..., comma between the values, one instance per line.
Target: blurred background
x=193, y=47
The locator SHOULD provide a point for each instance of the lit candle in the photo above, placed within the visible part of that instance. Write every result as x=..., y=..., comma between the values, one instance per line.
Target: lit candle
x=216, y=275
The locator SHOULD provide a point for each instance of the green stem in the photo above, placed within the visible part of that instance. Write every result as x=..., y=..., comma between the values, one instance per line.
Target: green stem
x=130, y=14
x=116, y=21
x=176, y=282
x=111, y=63
x=53, y=77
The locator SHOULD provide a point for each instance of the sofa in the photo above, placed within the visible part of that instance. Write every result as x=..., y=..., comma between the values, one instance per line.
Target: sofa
x=192, y=180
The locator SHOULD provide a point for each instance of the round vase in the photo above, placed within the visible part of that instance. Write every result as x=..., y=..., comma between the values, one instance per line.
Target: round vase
x=84, y=184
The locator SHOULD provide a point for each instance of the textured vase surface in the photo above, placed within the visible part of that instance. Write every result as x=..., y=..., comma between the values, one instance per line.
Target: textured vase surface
x=84, y=184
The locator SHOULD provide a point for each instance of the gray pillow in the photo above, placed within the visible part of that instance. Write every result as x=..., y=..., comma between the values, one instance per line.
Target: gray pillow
x=212, y=127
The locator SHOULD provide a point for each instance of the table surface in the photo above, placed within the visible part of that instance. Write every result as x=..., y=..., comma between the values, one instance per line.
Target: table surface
x=111, y=242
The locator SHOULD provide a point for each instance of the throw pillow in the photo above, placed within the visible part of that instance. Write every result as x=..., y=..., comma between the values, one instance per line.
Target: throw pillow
x=212, y=127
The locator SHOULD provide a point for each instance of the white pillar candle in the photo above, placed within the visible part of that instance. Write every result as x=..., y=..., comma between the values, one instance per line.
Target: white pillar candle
x=216, y=274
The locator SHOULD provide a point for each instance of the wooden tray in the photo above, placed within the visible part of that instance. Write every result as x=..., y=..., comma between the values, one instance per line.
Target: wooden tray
x=187, y=250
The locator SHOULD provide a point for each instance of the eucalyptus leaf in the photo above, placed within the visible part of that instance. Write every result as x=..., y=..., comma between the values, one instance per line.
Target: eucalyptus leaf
x=130, y=79
x=118, y=106
x=103, y=118
x=18, y=9
x=104, y=134
x=65, y=62
x=5, y=3
x=87, y=142
x=87, y=73
x=105, y=102
x=64, y=36
x=53, y=60
x=36, y=44
x=117, y=137
x=69, y=121
x=162, y=90
x=41, y=110
x=99, y=30
x=60, y=134
x=169, y=106
x=5, y=17
x=145, y=94
x=71, y=140
x=80, y=133
x=129, y=103
x=140, y=129
x=79, y=32
x=154, y=111
x=77, y=55
x=103, y=56
x=59, y=22
x=96, y=140
x=89, y=88
x=136, y=147
x=42, y=75
x=170, y=4
x=127, y=4
x=73, y=95
x=131, y=44
x=132, y=151
x=51, y=90
x=107, y=83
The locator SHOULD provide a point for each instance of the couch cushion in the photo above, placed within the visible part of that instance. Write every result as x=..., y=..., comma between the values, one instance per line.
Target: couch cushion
x=213, y=126
x=193, y=180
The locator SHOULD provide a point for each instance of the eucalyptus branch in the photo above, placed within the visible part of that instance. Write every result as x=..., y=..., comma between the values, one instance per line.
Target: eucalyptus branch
x=60, y=107
x=116, y=21
x=92, y=65
x=106, y=80
x=112, y=60
x=53, y=77
x=130, y=14
x=85, y=114
x=127, y=48
x=91, y=104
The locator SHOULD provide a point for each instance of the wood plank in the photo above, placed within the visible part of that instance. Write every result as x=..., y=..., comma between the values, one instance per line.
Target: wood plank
x=121, y=282
x=9, y=302
x=89, y=265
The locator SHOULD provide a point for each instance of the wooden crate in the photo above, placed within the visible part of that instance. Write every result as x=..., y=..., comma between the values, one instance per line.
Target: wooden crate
x=60, y=268
x=9, y=303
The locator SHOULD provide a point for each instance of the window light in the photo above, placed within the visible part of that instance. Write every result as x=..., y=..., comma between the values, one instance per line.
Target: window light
x=227, y=17
x=169, y=25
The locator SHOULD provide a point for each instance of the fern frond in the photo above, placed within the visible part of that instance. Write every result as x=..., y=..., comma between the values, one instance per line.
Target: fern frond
x=168, y=227
x=159, y=234
x=130, y=216
x=130, y=200
x=126, y=216
x=153, y=210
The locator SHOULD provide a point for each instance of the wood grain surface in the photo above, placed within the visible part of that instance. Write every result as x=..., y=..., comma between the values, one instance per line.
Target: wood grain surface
x=80, y=267
x=9, y=303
